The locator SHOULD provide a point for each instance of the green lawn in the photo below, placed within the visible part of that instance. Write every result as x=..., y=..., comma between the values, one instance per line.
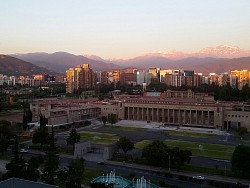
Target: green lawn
x=197, y=149
x=189, y=134
x=142, y=144
x=246, y=137
x=99, y=138
x=4, y=157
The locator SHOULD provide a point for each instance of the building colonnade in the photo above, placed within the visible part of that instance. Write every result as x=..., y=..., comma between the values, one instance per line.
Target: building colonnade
x=172, y=116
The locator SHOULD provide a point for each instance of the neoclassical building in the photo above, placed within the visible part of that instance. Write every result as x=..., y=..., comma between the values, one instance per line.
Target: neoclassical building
x=190, y=111
x=172, y=111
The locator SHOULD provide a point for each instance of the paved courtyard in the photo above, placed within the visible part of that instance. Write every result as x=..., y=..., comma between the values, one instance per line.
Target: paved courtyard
x=161, y=126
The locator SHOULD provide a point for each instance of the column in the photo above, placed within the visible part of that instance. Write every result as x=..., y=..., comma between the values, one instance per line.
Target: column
x=180, y=117
x=190, y=121
x=168, y=116
x=157, y=115
x=152, y=114
x=208, y=117
x=147, y=115
x=163, y=115
x=133, y=113
x=185, y=114
x=128, y=114
x=173, y=116
x=138, y=118
x=202, y=117
x=196, y=117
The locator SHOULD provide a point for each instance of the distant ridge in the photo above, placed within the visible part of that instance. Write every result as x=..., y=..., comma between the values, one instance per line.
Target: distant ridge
x=60, y=61
x=223, y=58
x=12, y=66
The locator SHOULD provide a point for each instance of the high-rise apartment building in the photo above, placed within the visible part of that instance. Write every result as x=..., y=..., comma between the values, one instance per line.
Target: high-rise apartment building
x=197, y=80
x=104, y=77
x=116, y=75
x=234, y=82
x=70, y=79
x=88, y=77
x=163, y=74
x=224, y=79
x=243, y=77
x=154, y=73
x=80, y=77
x=214, y=78
x=128, y=76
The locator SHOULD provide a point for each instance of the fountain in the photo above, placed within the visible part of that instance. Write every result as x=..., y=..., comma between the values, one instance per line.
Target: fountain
x=120, y=182
x=109, y=178
x=141, y=183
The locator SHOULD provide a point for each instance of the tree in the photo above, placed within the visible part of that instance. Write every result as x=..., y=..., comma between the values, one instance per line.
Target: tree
x=241, y=131
x=125, y=145
x=29, y=115
x=6, y=134
x=52, y=140
x=73, y=138
x=31, y=171
x=240, y=161
x=72, y=177
x=156, y=153
x=104, y=120
x=51, y=167
x=179, y=157
x=16, y=166
x=25, y=121
x=4, y=144
x=43, y=121
x=41, y=136
x=112, y=119
x=6, y=129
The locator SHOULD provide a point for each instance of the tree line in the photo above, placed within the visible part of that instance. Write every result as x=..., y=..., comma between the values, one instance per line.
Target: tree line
x=51, y=173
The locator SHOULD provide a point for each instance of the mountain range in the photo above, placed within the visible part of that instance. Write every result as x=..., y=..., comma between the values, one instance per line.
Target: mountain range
x=61, y=61
x=12, y=66
x=218, y=59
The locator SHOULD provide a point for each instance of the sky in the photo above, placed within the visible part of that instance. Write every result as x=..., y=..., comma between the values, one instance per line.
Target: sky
x=122, y=28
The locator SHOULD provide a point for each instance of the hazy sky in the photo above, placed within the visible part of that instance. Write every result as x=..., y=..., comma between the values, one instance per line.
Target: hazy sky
x=121, y=28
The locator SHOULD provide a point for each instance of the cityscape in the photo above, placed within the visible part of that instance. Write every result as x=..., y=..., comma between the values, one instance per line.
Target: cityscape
x=121, y=94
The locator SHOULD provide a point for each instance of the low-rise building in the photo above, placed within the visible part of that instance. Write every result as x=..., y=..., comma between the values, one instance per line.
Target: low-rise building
x=64, y=111
x=176, y=108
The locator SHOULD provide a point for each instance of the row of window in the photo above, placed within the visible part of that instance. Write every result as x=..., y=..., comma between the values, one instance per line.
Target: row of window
x=165, y=102
x=109, y=109
x=240, y=116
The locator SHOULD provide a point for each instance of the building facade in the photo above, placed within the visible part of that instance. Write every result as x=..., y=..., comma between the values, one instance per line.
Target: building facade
x=243, y=77
x=64, y=111
x=81, y=77
x=180, y=109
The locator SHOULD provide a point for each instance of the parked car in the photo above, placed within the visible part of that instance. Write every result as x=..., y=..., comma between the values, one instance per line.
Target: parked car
x=199, y=177
x=23, y=150
x=102, y=163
